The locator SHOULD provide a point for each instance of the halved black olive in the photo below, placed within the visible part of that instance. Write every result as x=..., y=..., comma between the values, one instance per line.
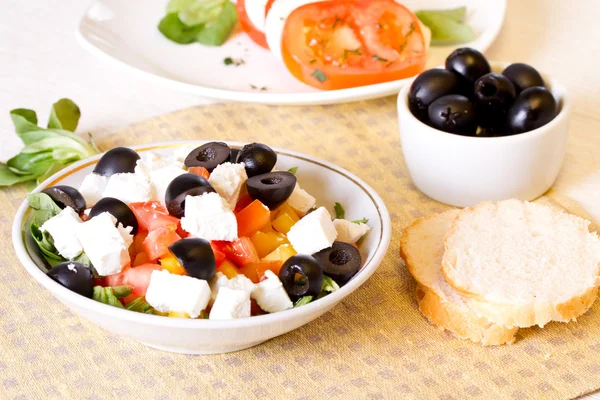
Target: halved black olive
x=340, y=262
x=116, y=161
x=181, y=187
x=196, y=256
x=74, y=276
x=66, y=196
x=301, y=275
x=258, y=159
x=272, y=189
x=117, y=209
x=209, y=155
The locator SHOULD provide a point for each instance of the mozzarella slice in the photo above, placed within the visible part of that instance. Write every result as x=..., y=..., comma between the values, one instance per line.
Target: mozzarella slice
x=275, y=22
x=280, y=11
x=255, y=9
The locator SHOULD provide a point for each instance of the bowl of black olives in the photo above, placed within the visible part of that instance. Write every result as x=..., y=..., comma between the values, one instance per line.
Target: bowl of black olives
x=476, y=130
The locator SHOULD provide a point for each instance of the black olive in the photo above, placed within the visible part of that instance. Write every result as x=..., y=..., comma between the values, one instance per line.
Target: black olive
x=66, y=196
x=74, y=276
x=196, y=256
x=301, y=275
x=181, y=187
x=117, y=209
x=116, y=161
x=272, y=189
x=209, y=155
x=453, y=113
x=533, y=108
x=428, y=87
x=523, y=76
x=340, y=262
x=468, y=65
x=494, y=95
x=234, y=154
x=258, y=158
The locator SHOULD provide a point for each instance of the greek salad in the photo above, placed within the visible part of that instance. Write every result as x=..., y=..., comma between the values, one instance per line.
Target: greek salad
x=208, y=232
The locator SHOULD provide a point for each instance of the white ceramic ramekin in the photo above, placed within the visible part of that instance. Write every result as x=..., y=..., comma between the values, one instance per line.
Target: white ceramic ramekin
x=463, y=171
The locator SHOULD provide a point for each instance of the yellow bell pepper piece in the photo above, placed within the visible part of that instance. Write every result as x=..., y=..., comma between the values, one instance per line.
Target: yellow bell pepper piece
x=266, y=242
x=228, y=268
x=178, y=314
x=282, y=253
x=172, y=265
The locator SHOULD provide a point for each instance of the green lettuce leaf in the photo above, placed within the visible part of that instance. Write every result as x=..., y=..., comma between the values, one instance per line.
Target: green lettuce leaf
x=175, y=30
x=216, y=33
x=447, y=26
x=201, y=12
x=64, y=115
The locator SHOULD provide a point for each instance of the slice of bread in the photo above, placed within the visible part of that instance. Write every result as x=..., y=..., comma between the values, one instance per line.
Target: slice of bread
x=422, y=248
x=522, y=264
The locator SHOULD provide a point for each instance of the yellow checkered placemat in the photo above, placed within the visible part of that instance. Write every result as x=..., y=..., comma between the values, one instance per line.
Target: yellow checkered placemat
x=375, y=344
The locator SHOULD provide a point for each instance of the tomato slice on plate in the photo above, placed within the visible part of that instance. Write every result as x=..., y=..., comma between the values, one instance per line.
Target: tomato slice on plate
x=248, y=27
x=349, y=43
x=152, y=214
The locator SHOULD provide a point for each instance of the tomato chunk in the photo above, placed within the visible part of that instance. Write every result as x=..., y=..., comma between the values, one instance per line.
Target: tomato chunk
x=140, y=259
x=200, y=171
x=243, y=202
x=158, y=241
x=241, y=251
x=152, y=214
x=139, y=278
x=252, y=218
x=218, y=248
x=256, y=270
x=347, y=43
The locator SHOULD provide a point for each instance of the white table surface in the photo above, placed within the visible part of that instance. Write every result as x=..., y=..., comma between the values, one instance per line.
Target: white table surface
x=40, y=62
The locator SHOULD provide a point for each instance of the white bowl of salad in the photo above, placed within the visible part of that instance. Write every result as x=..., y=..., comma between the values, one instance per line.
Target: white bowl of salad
x=201, y=247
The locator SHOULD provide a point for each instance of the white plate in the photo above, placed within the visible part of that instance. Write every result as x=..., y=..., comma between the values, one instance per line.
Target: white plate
x=125, y=33
x=323, y=180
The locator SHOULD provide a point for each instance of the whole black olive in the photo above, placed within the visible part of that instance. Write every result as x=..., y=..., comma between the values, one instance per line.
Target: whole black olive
x=340, y=262
x=181, y=187
x=494, y=94
x=301, y=275
x=272, y=189
x=258, y=158
x=533, y=108
x=428, y=87
x=453, y=113
x=66, y=196
x=196, y=256
x=117, y=209
x=116, y=161
x=74, y=276
x=468, y=65
x=523, y=76
x=209, y=155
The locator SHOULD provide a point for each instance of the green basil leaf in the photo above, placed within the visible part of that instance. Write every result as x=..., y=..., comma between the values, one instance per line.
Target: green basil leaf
x=446, y=26
x=36, y=135
x=174, y=6
x=175, y=30
x=340, y=213
x=329, y=285
x=217, y=32
x=31, y=164
x=8, y=177
x=293, y=170
x=83, y=259
x=122, y=291
x=46, y=245
x=201, y=12
x=51, y=170
x=302, y=301
x=360, y=221
x=105, y=295
x=51, y=143
x=24, y=120
x=64, y=115
x=41, y=201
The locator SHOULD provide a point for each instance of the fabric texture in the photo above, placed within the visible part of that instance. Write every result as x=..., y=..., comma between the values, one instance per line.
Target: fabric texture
x=374, y=345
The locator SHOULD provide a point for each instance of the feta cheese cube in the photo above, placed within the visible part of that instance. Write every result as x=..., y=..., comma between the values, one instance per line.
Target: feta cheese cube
x=348, y=231
x=300, y=200
x=128, y=187
x=104, y=244
x=231, y=303
x=181, y=153
x=160, y=180
x=126, y=234
x=92, y=187
x=239, y=282
x=209, y=217
x=63, y=229
x=313, y=233
x=270, y=294
x=151, y=161
x=227, y=179
x=169, y=292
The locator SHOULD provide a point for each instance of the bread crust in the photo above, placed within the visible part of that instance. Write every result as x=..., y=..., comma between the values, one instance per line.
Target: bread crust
x=447, y=316
x=517, y=315
x=458, y=319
